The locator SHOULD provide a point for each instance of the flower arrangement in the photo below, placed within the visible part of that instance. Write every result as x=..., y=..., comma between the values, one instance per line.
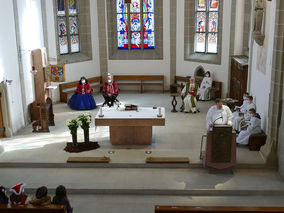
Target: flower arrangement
x=73, y=125
x=85, y=120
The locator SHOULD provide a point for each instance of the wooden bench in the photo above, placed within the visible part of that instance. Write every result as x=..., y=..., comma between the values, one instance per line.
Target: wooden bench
x=256, y=141
x=31, y=208
x=180, y=82
x=68, y=88
x=223, y=209
x=140, y=80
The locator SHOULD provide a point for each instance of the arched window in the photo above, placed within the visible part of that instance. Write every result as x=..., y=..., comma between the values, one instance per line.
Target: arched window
x=68, y=26
x=135, y=24
x=206, y=26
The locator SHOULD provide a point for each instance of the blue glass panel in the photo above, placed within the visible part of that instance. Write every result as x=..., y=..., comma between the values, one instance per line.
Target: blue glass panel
x=135, y=6
x=135, y=22
x=149, y=40
x=120, y=6
x=122, y=23
x=148, y=6
x=122, y=40
x=148, y=19
x=135, y=40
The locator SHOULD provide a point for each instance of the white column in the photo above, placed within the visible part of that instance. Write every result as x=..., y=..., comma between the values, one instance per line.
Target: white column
x=239, y=27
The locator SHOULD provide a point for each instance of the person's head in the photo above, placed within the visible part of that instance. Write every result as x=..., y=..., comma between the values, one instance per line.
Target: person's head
x=219, y=103
x=3, y=194
x=246, y=95
x=208, y=74
x=83, y=80
x=250, y=99
x=17, y=189
x=109, y=77
x=41, y=192
x=60, y=191
x=252, y=111
x=192, y=80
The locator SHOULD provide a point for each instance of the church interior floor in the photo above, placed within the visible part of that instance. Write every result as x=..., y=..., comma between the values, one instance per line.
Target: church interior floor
x=180, y=137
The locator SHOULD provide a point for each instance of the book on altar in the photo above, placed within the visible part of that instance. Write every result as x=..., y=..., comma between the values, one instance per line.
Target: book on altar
x=131, y=107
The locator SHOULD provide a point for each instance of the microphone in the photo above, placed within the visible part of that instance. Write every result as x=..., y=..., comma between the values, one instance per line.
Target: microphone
x=218, y=118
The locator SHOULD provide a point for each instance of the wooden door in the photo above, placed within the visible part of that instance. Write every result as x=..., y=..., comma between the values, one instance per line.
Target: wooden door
x=2, y=128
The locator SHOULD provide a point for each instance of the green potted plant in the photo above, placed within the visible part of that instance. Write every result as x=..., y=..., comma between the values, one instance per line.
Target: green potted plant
x=73, y=126
x=85, y=120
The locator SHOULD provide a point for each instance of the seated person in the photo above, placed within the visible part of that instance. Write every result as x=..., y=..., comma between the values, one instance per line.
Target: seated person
x=41, y=198
x=3, y=197
x=82, y=99
x=61, y=198
x=189, y=94
x=110, y=91
x=205, y=86
x=253, y=127
x=18, y=197
x=218, y=114
x=243, y=107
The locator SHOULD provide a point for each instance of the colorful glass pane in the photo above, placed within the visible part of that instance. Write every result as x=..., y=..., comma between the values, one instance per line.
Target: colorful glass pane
x=135, y=6
x=200, y=42
x=212, y=43
x=72, y=7
x=135, y=22
x=73, y=23
x=75, y=47
x=148, y=6
x=149, y=40
x=200, y=21
x=63, y=45
x=135, y=40
x=121, y=7
x=122, y=22
x=201, y=5
x=213, y=5
x=60, y=8
x=61, y=26
x=122, y=40
x=148, y=19
x=213, y=21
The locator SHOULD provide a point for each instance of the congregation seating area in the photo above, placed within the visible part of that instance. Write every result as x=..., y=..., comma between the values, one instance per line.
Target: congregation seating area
x=69, y=88
x=31, y=208
x=140, y=80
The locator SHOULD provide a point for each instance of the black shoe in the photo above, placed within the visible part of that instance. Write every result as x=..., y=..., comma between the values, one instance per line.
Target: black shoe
x=194, y=112
x=198, y=110
x=186, y=112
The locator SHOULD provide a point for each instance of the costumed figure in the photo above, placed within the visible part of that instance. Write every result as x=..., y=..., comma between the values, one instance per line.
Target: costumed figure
x=218, y=114
x=253, y=127
x=189, y=94
x=18, y=197
x=82, y=99
x=110, y=91
x=204, y=89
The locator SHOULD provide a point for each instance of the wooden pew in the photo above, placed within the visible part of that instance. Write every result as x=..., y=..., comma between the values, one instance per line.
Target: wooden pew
x=223, y=209
x=140, y=80
x=180, y=81
x=30, y=208
x=69, y=88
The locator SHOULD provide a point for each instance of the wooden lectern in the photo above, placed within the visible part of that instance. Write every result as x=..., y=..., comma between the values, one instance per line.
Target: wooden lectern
x=220, y=152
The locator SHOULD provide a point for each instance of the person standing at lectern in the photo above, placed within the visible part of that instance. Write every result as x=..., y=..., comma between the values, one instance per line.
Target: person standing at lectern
x=218, y=114
x=110, y=91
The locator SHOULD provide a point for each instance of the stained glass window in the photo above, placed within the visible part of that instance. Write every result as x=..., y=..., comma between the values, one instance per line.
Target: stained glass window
x=68, y=26
x=206, y=26
x=137, y=20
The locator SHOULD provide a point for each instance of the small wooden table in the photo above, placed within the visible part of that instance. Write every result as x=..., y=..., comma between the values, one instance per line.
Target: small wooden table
x=230, y=102
x=174, y=101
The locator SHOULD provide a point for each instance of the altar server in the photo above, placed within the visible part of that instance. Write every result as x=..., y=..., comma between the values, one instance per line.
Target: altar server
x=189, y=94
x=110, y=91
x=205, y=86
x=218, y=114
x=253, y=127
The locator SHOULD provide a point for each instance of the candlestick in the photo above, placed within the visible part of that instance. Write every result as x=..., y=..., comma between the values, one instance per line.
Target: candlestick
x=101, y=112
x=159, y=112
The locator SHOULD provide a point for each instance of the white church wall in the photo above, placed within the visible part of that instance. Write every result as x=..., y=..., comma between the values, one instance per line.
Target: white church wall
x=148, y=67
x=260, y=77
x=9, y=67
x=187, y=68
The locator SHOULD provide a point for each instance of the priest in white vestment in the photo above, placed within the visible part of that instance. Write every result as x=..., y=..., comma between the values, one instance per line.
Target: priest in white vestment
x=204, y=89
x=218, y=114
x=253, y=127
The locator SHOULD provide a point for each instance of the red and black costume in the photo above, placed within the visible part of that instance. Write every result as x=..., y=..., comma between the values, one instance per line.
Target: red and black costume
x=110, y=92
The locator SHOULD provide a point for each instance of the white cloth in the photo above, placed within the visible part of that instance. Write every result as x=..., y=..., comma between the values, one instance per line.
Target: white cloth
x=216, y=116
x=243, y=108
x=204, y=88
x=187, y=100
x=254, y=127
x=248, y=107
x=237, y=119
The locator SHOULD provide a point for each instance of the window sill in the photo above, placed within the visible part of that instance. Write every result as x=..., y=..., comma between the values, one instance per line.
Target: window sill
x=73, y=58
x=204, y=58
x=146, y=54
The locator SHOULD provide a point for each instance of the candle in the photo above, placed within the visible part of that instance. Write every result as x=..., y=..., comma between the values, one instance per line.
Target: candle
x=101, y=111
x=160, y=111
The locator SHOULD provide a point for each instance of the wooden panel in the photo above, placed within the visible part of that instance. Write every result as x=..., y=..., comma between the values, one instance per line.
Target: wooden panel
x=223, y=209
x=130, y=135
x=138, y=77
x=167, y=160
x=30, y=208
x=2, y=130
x=88, y=160
x=129, y=122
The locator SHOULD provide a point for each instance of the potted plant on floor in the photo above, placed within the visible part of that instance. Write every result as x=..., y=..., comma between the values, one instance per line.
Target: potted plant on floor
x=85, y=120
x=73, y=126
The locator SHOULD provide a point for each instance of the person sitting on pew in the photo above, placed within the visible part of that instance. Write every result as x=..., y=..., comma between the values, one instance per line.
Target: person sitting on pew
x=218, y=114
x=18, y=197
x=82, y=99
x=189, y=93
x=3, y=197
x=110, y=91
x=243, y=107
x=61, y=198
x=205, y=86
x=253, y=127
x=41, y=198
